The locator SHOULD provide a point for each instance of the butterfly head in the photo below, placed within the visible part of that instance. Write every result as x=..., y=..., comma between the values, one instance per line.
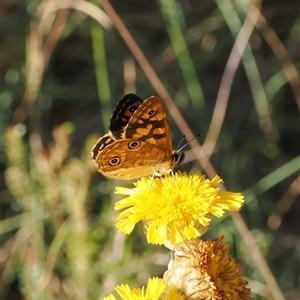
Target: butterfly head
x=177, y=157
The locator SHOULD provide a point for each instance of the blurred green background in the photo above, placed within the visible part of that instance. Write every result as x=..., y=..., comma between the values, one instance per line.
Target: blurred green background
x=64, y=66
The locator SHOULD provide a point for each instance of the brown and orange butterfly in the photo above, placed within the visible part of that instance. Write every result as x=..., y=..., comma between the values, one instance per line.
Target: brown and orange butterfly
x=138, y=143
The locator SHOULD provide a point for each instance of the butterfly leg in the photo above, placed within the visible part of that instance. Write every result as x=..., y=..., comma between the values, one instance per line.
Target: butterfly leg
x=171, y=172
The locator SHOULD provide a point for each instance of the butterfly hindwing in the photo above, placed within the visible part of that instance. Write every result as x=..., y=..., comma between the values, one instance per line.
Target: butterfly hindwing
x=101, y=144
x=128, y=159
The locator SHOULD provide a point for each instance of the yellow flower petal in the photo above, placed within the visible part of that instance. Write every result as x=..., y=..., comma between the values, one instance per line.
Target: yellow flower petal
x=156, y=290
x=125, y=292
x=174, y=208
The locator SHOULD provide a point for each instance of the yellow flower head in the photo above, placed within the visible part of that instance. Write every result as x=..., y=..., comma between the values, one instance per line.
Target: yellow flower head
x=204, y=270
x=156, y=289
x=174, y=208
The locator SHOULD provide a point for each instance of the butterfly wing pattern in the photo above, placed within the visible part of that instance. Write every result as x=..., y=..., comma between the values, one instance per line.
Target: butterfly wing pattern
x=118, y=121
x=138, y=143
x=122, y=114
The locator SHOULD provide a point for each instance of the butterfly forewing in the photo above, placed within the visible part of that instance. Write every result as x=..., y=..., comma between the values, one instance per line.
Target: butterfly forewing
x=122, y=114
x=150, y=123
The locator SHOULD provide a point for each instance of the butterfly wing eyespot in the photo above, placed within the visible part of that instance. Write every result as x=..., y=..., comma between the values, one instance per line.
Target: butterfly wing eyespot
x=133, y=108
x=151, y=112
x=134, y=144
x=114, y=161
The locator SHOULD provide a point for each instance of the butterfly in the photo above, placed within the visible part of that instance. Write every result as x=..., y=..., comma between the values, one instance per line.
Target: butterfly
x=138, y=142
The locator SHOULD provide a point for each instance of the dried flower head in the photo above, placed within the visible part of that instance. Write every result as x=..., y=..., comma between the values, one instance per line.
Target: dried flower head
x=204, y=270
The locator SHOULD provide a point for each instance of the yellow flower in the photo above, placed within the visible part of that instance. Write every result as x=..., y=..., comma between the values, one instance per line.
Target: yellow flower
x=204, y=270
x=156, y=289
x=174, y=208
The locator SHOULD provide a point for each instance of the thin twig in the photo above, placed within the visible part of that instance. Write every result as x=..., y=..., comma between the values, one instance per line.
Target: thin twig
x=281, y=53
x=227, y=80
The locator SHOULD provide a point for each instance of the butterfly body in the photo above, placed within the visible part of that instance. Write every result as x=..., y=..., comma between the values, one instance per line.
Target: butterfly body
x=140, y=144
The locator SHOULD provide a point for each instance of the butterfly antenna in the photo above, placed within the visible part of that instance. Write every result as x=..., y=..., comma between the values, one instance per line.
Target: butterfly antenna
x=183, y=138
x=195, y=137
